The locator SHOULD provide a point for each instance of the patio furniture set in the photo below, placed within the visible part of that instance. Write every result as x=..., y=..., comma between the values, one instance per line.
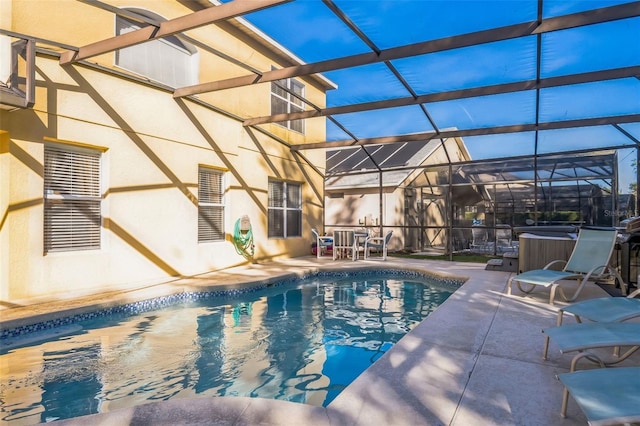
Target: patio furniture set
x=345, y=244
x=605, y=395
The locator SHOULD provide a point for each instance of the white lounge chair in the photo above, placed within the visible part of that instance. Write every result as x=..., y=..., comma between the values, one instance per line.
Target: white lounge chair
x=589, y=261
x=322, y=243
x=480, y=242
x=504, y=239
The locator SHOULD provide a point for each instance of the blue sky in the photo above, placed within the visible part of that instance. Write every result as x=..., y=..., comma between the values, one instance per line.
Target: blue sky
x=312, y=32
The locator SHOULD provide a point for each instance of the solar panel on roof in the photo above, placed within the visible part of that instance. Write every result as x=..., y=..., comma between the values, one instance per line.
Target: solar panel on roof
x=356, y=161
x=335, y=158
x=403, y=156
x=384, y=152
x=386, y=156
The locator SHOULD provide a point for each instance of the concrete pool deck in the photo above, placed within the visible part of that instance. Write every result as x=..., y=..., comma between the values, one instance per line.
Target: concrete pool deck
x=476, y=360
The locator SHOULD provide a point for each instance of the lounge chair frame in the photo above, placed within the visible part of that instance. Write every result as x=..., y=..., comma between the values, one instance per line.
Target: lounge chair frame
x=615, y=389
x=603, y=309
x=588, y=262
x=584, y=337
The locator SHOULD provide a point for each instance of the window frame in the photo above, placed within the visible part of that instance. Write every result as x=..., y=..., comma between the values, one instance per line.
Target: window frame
x=68, y=198
x=287, y=211
x=204, y=203
x=156, y=70
x=290, y=102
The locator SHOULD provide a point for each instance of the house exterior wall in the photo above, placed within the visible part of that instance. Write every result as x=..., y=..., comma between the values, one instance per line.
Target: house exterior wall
x=152, y=146
x=360, y=208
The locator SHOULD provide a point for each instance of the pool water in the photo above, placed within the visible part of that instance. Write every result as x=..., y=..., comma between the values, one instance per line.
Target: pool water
x=301, y=342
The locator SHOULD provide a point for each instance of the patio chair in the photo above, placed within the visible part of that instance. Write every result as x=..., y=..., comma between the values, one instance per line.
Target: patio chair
x=377, y=243
x=604, y=309
x=606, y=396
x=584, y=337
x=504, y=239
x=323, y=243
x=361, y=236
x=588, y=261
x=480, y=242
x=601, y=309
x=343, y=243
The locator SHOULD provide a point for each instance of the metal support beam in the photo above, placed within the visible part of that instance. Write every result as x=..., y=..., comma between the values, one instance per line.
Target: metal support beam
x=544, y=83
x=595, y=16
x=184, y=23
x=423, y=137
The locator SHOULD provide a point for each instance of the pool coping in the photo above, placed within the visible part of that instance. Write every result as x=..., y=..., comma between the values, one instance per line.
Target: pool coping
x=61, y=314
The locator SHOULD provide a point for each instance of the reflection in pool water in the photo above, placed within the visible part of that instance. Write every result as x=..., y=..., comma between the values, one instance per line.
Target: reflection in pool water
x=303, y=343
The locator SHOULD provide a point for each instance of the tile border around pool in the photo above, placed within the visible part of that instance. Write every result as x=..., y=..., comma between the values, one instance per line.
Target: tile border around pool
x=66, y=318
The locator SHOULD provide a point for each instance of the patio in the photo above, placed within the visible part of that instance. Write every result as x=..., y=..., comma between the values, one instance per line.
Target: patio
x=476, y=360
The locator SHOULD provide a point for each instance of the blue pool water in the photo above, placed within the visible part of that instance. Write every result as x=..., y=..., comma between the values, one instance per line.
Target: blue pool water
x=302, y=342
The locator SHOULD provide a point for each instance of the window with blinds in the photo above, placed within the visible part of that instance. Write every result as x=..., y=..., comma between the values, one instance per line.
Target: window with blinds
x=284, y=210
x=72, y=199
x=168, y=60
x=210, y=205
x=284, y=102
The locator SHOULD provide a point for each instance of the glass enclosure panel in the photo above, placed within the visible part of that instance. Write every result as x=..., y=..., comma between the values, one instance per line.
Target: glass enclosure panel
x=590, y=48
x=406, y=21
x=304, y=27
x=500, y=146
x=581, y=138
x=500, y=62
x=366, y=83
x=590, y=100
x=480, y=112
x=561, y=7
x=386, y=122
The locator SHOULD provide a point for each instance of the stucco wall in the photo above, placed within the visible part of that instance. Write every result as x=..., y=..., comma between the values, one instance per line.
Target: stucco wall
x=361, y=208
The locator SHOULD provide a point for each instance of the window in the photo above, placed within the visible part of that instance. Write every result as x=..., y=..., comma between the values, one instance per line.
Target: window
x=285, y=209
x=72, y=199
x=210, y=205
x=168, y=60
x=283, y=102
x=17, y=72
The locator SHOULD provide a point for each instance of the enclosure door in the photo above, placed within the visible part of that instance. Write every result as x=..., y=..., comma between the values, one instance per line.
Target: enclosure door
x=434, y=221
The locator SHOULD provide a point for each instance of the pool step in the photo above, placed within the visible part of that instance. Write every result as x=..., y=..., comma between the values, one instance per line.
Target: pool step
x=508, y=263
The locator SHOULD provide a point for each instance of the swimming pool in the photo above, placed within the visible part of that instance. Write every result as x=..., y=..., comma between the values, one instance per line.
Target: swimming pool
x=300, y=341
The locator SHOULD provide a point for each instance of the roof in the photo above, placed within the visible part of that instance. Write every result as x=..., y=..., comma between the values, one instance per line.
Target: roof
x=405, y=156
